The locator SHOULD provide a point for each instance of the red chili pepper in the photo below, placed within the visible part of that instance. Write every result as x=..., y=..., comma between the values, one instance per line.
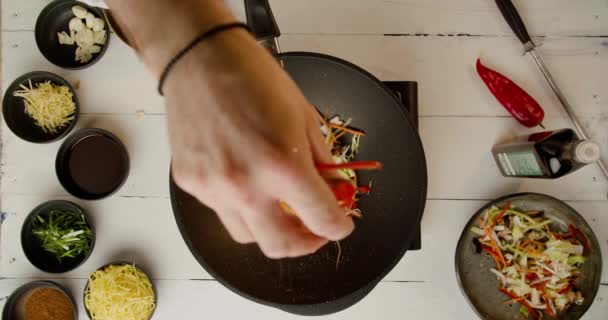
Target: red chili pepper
x=355, y=165
x=517, y=101
x=521, y=301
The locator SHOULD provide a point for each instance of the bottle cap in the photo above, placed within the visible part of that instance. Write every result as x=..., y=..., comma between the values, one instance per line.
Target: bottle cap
x=586, y=152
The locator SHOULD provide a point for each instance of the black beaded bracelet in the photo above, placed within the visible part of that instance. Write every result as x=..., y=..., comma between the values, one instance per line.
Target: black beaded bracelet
x=205, y=35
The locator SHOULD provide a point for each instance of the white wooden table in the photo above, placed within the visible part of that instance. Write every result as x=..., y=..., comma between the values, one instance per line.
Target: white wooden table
x=434, y=42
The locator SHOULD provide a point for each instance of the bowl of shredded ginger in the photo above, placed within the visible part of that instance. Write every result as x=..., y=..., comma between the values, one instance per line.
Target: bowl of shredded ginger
x=40, y=107
x=119, y=291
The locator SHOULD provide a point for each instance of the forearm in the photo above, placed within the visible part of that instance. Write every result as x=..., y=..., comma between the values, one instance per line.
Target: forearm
x=160, y=28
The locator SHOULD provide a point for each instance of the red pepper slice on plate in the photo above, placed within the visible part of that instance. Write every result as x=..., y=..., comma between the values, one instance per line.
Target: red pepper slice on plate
x=578, y=234
x=513, y=98
x=521, y=301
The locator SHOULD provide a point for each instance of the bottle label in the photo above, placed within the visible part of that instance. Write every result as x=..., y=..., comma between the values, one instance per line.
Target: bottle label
x=520, y=164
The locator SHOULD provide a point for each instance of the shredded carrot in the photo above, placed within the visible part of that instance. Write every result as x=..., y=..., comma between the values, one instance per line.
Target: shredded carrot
x=347, y=129
x=493, y=255
x=339, y=135
x=495, y=247
x=354, y=165
x=322, y=118
x=500, y=215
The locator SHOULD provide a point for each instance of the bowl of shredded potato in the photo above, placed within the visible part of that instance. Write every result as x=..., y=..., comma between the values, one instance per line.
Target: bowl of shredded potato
x=119, y=290
x=40, y=107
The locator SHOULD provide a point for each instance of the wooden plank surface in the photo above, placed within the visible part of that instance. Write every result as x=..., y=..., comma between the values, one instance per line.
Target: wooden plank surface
x=476, y=17
x=183, y=299
x=143, y=230
x=459, y=160
x=443, y=66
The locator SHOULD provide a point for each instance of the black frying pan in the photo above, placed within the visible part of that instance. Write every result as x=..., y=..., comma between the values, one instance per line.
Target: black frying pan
x=312, y=285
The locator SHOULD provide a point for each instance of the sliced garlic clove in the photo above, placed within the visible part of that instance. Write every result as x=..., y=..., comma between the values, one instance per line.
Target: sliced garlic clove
x=78, y=54
x=64, y=38
x=79, y=12
x=98, y=24
x=95, y=49
x=76, y=24
x=99, y=37
x=90, y=20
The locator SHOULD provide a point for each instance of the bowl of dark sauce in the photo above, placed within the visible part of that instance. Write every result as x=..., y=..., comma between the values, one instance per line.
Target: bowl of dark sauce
x=92, y=164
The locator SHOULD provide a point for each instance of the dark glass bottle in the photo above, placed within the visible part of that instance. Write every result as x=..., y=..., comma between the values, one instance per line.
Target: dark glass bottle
x=547, y=155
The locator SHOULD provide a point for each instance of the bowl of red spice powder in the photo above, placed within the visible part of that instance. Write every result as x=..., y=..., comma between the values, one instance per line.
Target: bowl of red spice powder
x=40, y=300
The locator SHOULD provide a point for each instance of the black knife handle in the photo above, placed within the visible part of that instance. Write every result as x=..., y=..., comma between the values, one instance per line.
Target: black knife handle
x=514, y=20
x=261, y=19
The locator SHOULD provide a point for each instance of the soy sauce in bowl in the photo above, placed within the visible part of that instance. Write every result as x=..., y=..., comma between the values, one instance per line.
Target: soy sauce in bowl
x=92, y=164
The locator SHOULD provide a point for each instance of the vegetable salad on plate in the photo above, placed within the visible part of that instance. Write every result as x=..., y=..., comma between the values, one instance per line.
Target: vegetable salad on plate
x=536, y=264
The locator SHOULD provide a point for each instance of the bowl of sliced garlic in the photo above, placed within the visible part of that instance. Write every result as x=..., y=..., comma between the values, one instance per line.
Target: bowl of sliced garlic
x=71, y=34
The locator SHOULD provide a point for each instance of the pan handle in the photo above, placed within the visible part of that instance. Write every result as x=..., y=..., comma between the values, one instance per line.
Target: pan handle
x=263, y=24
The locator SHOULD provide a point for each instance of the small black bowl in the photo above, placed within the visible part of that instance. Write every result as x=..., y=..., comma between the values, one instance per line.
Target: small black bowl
x=21, y=124
x=92, y=164
x=32, y=246
x=13, y=308
x=120, y=263
x=55, y=18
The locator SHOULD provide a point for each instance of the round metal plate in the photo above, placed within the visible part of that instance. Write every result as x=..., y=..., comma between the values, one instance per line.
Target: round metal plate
x=480, y=286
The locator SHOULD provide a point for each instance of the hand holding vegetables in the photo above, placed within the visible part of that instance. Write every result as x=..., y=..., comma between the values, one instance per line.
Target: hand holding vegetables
x=243, y=136
x=513, y=98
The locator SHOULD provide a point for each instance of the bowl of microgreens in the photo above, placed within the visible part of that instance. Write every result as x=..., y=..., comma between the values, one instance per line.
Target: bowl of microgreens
x=57, y=236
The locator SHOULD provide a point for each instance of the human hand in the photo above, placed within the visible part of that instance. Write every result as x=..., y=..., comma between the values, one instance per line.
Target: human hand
x=244, y=138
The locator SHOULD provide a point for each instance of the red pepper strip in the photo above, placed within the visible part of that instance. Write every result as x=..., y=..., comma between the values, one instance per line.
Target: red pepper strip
x=541, y=286
x=522, y=301
x=531, y=276
x=517, y=101
x=345, y=192
x=495, y=247
x=500, y=215
x=364, y=189
x=493, y=255
x=578, y=233
x=565, y=289
x=548, y=309
x=563, y=236
x=355, y=165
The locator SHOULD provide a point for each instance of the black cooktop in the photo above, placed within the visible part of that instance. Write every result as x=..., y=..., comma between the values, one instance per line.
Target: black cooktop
x=407, y=93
